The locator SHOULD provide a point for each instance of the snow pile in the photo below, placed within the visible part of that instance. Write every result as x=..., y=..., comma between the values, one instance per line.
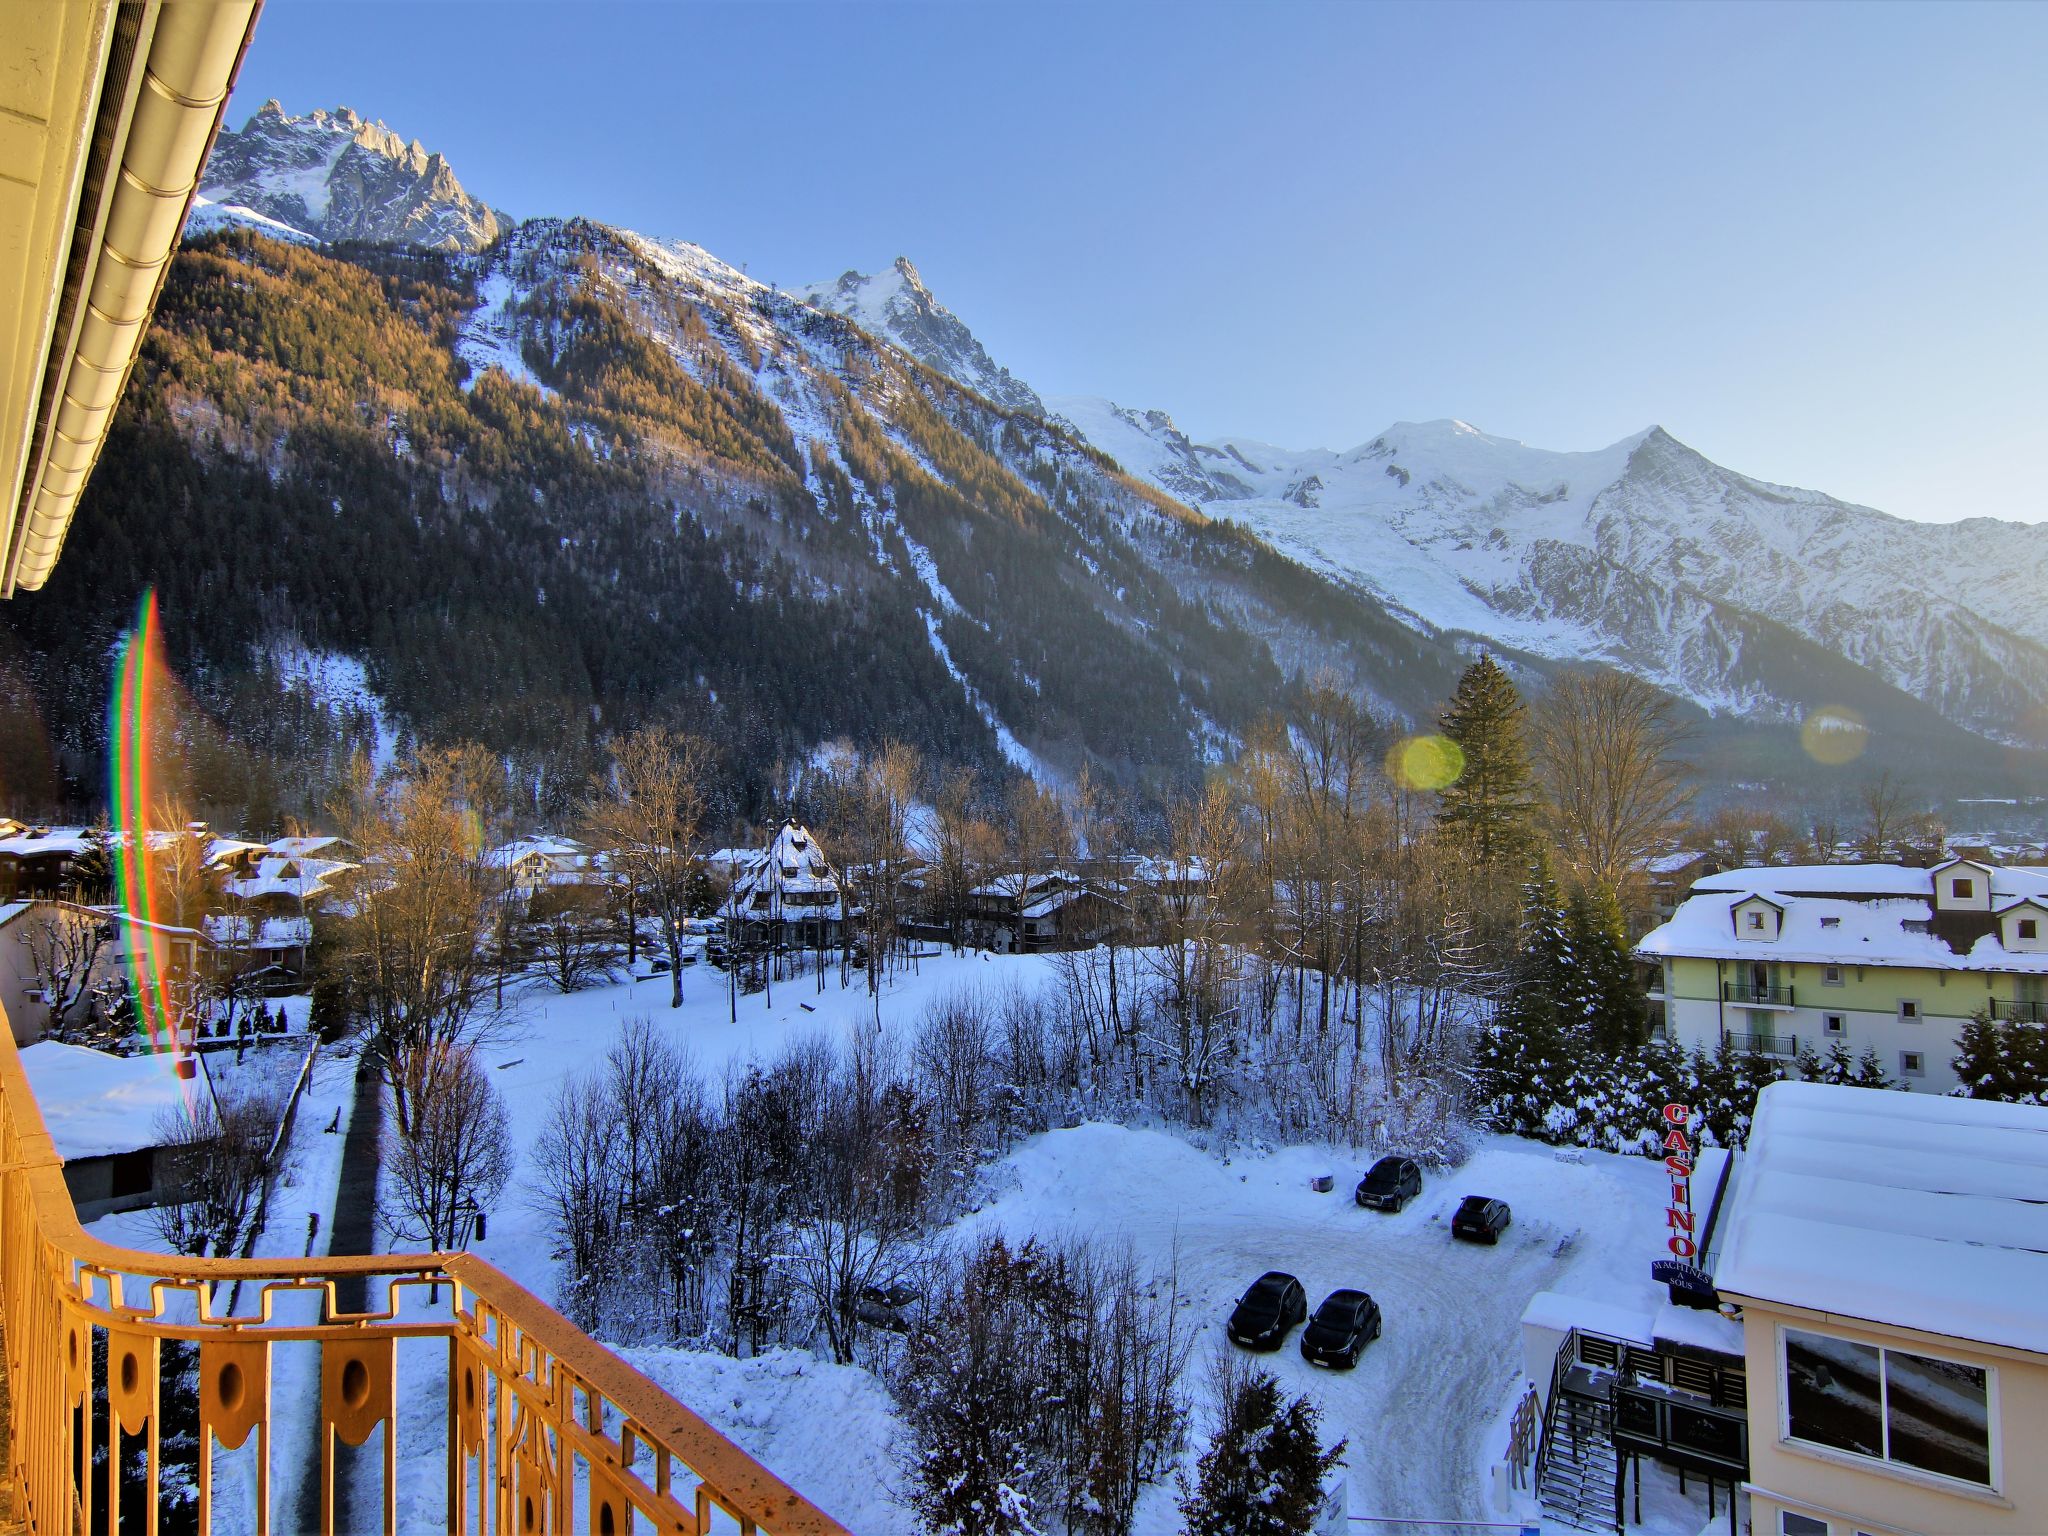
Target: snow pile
x=831, y=1429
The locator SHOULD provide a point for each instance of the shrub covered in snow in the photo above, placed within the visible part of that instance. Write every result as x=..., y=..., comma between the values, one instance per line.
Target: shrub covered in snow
x=1263, y=1472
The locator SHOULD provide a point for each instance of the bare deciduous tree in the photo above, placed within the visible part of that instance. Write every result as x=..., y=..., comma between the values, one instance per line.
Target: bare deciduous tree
x=63, y=945
x=646, y=814
x=1606, y=748
x=570, y=936
x=455, y=1154
x=213, y=1156
x=412, y=950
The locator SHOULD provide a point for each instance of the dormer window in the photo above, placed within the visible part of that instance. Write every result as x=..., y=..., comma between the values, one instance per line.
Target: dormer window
x=2030, y=928
x=1756, y=921
x=1962, y=890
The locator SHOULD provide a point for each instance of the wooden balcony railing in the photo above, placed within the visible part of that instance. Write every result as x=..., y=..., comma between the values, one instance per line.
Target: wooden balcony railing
x=543, y=1429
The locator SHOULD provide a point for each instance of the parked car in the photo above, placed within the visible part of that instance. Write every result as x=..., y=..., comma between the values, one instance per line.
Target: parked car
x=1480, y=1219
x=1391, y=1184
x=1344, y=1324
x=1262, y=1316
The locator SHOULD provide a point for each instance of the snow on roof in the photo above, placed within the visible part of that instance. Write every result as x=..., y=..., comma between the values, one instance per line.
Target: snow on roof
x=1553, y=1309
x=1696, y=1328
x=1841, y=914
x=553, y=849
x=95, y=1104
x=1671, y=863
x=300, y=847
x=10, y=910
x=1863, y=880
x=40, y=841
x=1919, y=1211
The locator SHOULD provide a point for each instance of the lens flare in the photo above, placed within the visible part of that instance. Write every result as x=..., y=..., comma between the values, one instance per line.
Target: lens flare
x=140, y=679
x=1833, y=735
x=1425, y=762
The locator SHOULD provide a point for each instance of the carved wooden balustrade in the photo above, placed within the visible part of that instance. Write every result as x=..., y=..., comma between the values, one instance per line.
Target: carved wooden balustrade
x=477, y=1406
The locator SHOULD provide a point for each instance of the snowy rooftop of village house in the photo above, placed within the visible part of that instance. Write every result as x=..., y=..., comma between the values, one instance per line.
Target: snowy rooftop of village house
x=94, y=1104
x=1920, y=1211
x=1844, y=914
x=1863, y=882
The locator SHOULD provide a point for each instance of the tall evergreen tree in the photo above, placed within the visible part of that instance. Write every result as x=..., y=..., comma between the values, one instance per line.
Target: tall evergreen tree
x=1492, y=803
x=1608, y=995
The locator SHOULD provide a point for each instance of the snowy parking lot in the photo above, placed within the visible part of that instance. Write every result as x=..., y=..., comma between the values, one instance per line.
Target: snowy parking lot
x=1420, y=1409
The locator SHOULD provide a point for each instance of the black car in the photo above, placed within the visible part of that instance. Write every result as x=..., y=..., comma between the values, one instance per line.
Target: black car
x=1480, y=1219
x=1274, y=1304
x=1393, y=1182
x=1344, y=1324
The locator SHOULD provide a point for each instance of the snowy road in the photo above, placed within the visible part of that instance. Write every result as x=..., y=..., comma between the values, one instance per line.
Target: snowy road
x=1424, y=1397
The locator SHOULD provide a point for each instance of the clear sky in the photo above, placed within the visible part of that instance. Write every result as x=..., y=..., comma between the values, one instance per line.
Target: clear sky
x=1811, y=241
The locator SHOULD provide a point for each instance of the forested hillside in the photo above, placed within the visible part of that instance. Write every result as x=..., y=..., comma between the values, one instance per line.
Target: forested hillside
x=582, y=481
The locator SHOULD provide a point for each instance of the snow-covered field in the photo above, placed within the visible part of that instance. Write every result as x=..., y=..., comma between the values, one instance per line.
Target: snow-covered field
x=1422, y=1413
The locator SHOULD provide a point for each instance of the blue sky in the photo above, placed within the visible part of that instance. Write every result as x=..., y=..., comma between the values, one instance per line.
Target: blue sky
x=1811, y=241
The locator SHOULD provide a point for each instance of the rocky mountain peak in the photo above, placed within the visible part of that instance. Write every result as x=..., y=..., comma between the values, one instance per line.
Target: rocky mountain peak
x=337, y=176
x=896, y=306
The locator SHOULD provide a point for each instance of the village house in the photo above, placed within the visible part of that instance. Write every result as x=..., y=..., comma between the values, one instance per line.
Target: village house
x=1887, y=1258
x=786, y=896
x=540, y=862
x=38, y=861
x=107, y=1116
x=1878, y=957
x=1053, y=910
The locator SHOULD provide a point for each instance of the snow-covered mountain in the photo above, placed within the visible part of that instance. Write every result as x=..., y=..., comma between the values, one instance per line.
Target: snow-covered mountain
x=1644, y=554
x=1760, y=603
x=896, y=306
x=334, y=176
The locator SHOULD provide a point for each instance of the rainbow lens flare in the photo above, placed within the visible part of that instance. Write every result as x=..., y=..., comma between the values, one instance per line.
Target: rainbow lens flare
x=140, y=676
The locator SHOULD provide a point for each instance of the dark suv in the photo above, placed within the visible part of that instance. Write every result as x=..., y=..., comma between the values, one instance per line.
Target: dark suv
x=1274, y=1304
x=1344, y=1324
x=1480, y=1219
x=1393, y=1182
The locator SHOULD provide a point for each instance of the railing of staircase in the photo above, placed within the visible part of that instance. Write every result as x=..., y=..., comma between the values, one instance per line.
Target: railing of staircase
x=521, y=1421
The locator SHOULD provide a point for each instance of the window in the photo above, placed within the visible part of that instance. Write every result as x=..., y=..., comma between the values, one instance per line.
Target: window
x=1910, y=1410
x=2030, y=928
x=1909, y=1009
x=1792, y=1523
x=1756, y=921
x=1831, y=922
x=1831, y=975
x=1834, y=1024
x=1962, y=890
x=1912, y=1064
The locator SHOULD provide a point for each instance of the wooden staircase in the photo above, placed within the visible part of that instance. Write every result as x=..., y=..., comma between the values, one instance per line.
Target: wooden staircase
x=1578, y=1476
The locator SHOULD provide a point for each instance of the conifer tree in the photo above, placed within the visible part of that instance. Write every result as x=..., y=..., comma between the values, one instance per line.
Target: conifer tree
x=1263, y=1472
x=1491, y=806
x=1527, y=1053
x=2007, y=1062
x=1610, y=997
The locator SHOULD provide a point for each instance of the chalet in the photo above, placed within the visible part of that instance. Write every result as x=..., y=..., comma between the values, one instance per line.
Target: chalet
x=1886, y=1260
x=1053, y=910
x=1881, y=958
x=536, y=863
x=37, y=861
x=788, y=895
